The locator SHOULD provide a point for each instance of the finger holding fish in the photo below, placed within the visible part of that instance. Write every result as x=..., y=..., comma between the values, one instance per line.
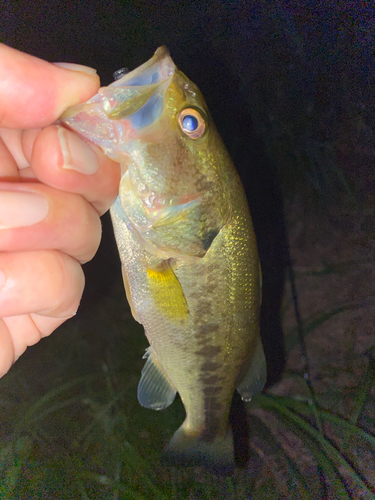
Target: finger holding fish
x=50, y=198
x=45, y=283
x=61, y=159
x=34, y=216
x=34, y=92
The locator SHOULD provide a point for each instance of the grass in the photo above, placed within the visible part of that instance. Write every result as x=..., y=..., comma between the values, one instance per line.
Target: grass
x=107, y=460
x=88, y=437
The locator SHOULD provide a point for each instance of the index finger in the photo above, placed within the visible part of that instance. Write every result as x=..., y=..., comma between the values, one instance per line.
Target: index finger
x=34, y=93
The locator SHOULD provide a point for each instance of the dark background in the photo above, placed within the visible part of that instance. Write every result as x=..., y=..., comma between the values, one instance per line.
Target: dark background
x=286, y=82
x=290, y=85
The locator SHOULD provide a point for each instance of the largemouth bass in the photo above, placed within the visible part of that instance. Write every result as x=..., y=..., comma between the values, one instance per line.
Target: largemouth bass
x=188, y=251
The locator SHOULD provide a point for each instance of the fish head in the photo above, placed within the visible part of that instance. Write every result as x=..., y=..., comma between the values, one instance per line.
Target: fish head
x=155, y=122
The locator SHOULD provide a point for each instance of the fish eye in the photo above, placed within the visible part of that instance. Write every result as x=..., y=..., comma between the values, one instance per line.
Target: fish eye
x=192, y=123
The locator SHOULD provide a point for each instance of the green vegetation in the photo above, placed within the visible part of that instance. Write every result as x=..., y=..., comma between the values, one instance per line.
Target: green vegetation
x=87, y=437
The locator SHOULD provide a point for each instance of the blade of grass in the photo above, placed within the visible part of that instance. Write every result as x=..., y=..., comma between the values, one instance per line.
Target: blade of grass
x=136, y=463
x=305, y=409
x=56, y=407
x=333, y=268
x=44, y=400
x=314, y=406
x=98, y=417
x=20, y=454
x=315, y=320
x=324, y=466
x=301, y=330
x=367, y=385
x=297, y=477
x=82, y=489
x=106, y=481
x=327, y=449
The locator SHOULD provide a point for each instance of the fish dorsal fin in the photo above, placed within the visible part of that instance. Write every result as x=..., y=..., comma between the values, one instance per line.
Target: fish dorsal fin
x=256, y=376
x=155, y=390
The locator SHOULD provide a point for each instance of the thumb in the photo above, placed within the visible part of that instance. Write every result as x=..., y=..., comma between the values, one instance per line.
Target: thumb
x=34, y=93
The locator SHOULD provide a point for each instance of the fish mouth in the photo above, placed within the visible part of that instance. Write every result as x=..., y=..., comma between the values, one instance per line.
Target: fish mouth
x=160, y=67
x=140, y=91
x=120, y=111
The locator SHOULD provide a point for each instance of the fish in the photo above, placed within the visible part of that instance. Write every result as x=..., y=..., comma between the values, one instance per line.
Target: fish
x=188, y=250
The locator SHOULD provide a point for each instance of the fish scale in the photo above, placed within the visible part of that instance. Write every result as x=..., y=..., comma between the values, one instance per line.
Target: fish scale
x=188, y=250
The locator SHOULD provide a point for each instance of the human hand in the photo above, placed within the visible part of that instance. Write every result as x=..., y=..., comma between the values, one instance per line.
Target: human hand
x=53, y=188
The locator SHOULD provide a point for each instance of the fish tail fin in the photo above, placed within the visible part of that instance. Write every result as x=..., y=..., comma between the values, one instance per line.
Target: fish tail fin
x=185, y=449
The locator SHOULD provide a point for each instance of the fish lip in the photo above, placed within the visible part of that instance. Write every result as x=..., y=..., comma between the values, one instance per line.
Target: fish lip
x=160, y=58
x=108, y=128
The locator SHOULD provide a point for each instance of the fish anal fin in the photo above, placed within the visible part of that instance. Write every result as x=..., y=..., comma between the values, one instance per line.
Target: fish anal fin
x=256, y=377
x=155, y=390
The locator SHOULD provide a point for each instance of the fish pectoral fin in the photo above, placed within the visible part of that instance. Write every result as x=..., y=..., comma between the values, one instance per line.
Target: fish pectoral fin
x=167, y=292
x=176, y=214
x=189, y=228
x=256, y=377
x=155, y=390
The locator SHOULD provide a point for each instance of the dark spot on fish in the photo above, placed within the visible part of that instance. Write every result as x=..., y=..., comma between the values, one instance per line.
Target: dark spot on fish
x=196, y=295
x=216, y=411
x=205, y=332
x=209, y=237
x=209, y=350
x=210, y=379
x=201, y=341
x=211, y=289
x=213, y=424
x=212, y=390
x=210, y=366
x=198, y=335
x=203, y=184
x=208, y=435
x=208, y=328
x=203, y=308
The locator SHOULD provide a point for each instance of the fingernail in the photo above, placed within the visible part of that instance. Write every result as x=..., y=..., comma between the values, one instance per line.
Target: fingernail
x=76, y=67
x=77, y=154
x=18, y=209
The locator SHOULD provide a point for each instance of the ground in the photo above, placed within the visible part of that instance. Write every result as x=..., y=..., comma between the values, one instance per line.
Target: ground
x=332, y=250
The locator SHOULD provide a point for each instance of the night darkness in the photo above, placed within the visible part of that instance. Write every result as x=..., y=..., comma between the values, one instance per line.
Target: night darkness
x=253, y=64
